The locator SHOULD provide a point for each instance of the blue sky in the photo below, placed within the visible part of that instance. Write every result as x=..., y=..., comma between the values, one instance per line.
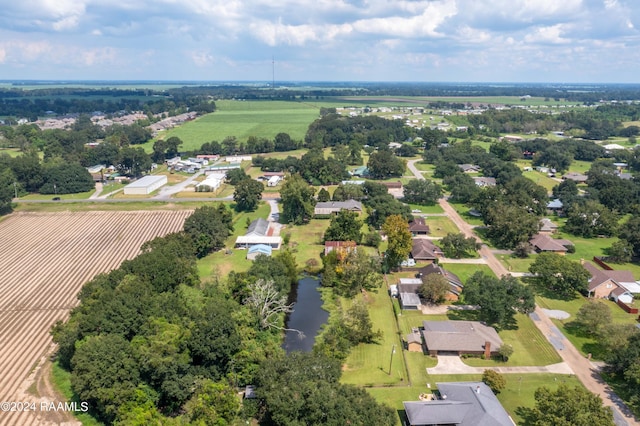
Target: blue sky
x=322, y=40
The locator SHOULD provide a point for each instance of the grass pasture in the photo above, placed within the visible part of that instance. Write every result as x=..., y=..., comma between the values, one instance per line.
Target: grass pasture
x=243, y=119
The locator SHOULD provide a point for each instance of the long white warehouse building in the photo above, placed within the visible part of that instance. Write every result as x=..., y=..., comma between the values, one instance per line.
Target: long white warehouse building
x=145, y=185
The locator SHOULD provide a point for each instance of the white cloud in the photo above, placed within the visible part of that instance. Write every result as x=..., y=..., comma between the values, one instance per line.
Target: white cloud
x=552, y=34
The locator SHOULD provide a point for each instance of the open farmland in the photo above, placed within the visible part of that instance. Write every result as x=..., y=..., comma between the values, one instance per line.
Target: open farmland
x=243, y=119
x=45, y=258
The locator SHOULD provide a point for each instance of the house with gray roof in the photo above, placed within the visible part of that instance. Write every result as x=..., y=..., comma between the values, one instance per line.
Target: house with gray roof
x=259, y=227
x=543, y=242
x=462, y=337
x=333, y=207
x=460, y=404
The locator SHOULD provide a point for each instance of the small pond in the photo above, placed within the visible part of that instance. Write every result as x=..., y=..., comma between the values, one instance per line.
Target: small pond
x=307, y=316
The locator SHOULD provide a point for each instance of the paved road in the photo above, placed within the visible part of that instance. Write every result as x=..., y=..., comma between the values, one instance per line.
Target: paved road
x=586, y=372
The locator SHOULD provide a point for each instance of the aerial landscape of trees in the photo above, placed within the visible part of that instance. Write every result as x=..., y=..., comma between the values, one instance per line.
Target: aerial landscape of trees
x=158, y=341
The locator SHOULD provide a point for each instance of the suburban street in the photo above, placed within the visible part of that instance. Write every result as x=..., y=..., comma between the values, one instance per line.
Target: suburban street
x=584, y=369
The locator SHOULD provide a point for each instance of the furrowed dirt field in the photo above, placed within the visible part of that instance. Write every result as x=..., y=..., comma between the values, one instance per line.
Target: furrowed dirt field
x=45, y=258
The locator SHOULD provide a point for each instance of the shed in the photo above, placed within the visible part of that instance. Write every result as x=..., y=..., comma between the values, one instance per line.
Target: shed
x=145, y=185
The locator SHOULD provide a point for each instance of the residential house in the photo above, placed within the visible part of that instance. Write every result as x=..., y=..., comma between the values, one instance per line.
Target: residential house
x=611, y=284
x=461, y=337
x=418, y=227
x=547, y=226
x=455, y=284
x=576, y=177
x=555, y=205
x=424, y=249
x=469, y=168
x=460, y=404
x=211, y=183
x=361, y=171
x=483, y=181
x=259, y=226
x=258, y=233
x=333, y=207
x=544, y=243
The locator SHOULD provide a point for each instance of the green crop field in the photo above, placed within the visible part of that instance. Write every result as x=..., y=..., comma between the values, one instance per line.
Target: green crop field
x=243, y=119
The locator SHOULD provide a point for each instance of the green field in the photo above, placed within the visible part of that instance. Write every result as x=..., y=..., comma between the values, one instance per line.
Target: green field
x=243, y=119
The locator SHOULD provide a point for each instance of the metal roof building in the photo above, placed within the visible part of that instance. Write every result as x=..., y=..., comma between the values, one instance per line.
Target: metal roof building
x=145, y=185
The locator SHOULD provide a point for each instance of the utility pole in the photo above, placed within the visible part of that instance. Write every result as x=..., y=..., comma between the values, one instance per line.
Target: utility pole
x=393, y=351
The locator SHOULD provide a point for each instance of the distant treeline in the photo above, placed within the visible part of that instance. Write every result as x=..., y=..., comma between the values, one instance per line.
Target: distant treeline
x=17, y=102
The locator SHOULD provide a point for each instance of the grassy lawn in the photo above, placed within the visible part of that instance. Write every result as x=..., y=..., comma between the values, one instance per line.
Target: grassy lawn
x=463, y=210
x=530, y=347
x=435, y=209
x=368, y=364
x=585, y=344
x=78, y=196
x=243, y=119
x=424, y=167
x=306, y=240
x=62, y=381
x=440, y=226
x=514, y=264
x=541, y=179
x=580, y=166
x=465, y=270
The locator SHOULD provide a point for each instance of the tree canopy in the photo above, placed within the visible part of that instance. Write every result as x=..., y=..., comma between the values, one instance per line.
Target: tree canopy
x=560, y=275
x=399, y=240
x=499, y=299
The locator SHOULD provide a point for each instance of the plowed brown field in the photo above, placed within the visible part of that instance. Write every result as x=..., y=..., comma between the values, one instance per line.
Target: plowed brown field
x=45, y=258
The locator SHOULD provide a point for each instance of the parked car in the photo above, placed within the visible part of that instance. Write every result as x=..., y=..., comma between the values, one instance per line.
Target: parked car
x=56, y=198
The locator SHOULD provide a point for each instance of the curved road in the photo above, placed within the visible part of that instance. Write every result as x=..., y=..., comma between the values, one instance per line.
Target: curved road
x=584, y=370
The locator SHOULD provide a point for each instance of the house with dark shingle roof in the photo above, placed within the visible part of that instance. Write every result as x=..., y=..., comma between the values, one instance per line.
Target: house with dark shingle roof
x=418, y=226
x=423, y=249
x=455, y=284
x=460, y=404
x=544, y=243
x=462, y=337
x=576, y=177
x=547, y=226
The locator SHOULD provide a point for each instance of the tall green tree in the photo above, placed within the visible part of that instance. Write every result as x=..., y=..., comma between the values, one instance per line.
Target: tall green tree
x=344, y=226
x=7, y=190
x=560, y=275
x=209, y=227
x=105, y=374
x=499, y=299
x=592, y=317
x=458, y=246
x=304, y=389
x=509, y=225
x=384, y=164
x=399, y=240
x=434, y=288
x=590, y=219
x=297, y=200
x=422, y=191
x=567, y=406
x=247, y=195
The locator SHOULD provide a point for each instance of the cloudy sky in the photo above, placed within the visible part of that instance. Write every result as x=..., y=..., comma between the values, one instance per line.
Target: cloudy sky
x=322, y=40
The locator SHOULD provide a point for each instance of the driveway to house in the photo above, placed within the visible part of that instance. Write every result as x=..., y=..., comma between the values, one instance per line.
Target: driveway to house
x=452, y=364
x=587, y=372
x=98, y=191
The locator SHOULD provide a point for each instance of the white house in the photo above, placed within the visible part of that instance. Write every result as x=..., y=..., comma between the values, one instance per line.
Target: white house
x=145, y=185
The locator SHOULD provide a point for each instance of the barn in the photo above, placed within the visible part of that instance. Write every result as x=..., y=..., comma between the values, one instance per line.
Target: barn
x=145, y=185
